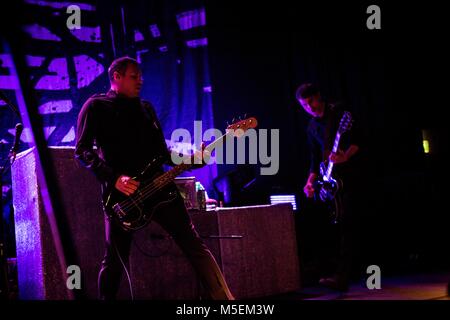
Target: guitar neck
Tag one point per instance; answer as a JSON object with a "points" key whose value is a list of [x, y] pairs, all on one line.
{"points": [[171, 174], [334, 150]]}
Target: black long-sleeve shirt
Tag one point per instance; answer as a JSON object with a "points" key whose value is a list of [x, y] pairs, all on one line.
{"points": [[321, 133], [126, 132]]}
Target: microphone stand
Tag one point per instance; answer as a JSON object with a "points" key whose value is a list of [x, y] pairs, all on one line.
{"points": [[4, 282]]}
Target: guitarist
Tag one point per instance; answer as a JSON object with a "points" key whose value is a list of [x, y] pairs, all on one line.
{"points": [[128, 135], [321, 133]]}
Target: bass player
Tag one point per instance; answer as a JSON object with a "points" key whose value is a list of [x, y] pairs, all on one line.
{"points": [[127, 134]]}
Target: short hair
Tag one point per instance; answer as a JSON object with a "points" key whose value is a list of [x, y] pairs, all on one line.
{"points": [[306, 90], [120, 65]]}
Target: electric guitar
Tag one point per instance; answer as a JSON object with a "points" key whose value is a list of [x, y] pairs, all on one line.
{"points": [[157, 189], [326, 187]]}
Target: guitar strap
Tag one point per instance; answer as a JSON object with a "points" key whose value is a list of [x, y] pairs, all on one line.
{"points": [[149, 113]]}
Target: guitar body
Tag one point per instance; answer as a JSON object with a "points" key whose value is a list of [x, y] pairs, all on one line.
{"points": [[136, 211], [329, 193], [326, 189]]}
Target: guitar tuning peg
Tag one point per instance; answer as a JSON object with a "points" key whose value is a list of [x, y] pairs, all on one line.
{"points": [[245, 116], [239, 118], [233, 120]]}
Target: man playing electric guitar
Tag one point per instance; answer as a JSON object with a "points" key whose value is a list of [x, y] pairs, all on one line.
{"points": [[335, 151], [128, 136]]}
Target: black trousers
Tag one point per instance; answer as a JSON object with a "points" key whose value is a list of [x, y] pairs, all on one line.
{"points": [[347, 235], [331, 249], [175, 220]]}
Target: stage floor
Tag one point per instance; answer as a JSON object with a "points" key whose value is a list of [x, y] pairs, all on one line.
{"points": [[408, 287]]}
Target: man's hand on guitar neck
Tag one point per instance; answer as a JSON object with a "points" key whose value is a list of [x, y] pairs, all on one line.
{"points": [[341, 156], [126, 185], [338, 157]]}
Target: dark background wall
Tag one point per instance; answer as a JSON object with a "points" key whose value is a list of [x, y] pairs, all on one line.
{"points": [[261, 53]]}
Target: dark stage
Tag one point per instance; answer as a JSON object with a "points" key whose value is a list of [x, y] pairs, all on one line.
{"points": [[420, 286]]}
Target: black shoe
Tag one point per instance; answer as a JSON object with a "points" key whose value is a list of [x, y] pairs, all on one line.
{"points": [[334, 283]]}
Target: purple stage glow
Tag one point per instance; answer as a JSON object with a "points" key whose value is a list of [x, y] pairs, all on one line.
{"points": [[41, 33], [34, 61], [26, 136], [88, 34], [155, 31], [138, 36], [197, 43], [87, 70], [191, 19], [8, 81], [60, 78], [59, 106], [163, 49], [61, 4]]}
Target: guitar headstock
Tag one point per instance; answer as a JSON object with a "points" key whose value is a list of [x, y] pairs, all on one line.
{"points": [[241, 126], [346, 122]]}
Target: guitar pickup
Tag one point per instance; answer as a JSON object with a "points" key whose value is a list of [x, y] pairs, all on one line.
{"points": [[118, 210]]}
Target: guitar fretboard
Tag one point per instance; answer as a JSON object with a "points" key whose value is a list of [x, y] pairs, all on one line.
{"points": [[330, 164], [171, 174]]}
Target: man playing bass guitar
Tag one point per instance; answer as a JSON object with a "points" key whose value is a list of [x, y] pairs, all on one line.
{"points": [[128, 136]]}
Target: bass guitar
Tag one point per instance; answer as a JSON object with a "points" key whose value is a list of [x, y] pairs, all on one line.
{"points": [[157, 189]]}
